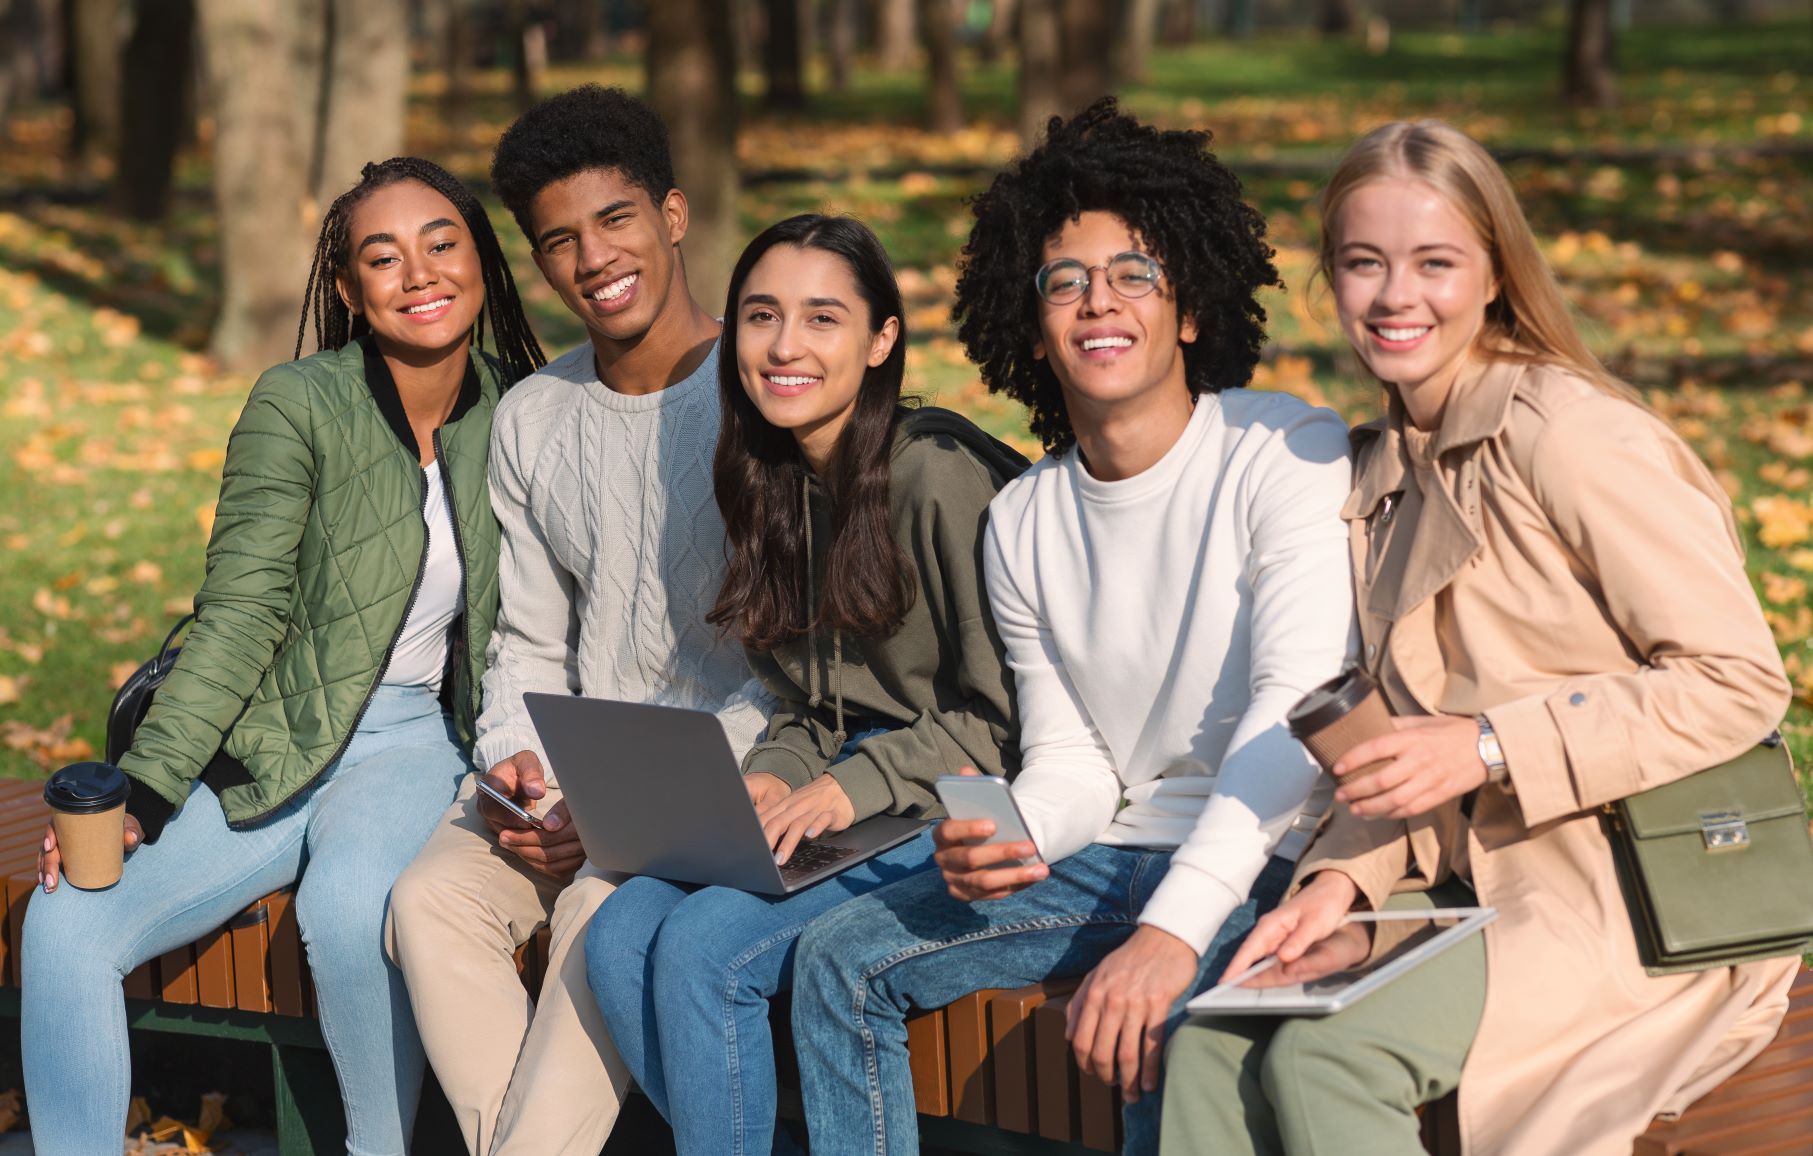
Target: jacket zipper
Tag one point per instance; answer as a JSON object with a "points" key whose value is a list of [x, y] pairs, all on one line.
{"points": [[459, 552], [421, 567]]}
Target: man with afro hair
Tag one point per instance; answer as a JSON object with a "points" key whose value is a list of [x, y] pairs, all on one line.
{"points": [[1168, 582], [612, 553]]}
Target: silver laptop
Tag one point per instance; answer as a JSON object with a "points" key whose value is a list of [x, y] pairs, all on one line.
{"points": [[655, 790]]}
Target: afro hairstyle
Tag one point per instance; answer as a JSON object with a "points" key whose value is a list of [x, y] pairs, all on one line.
{"points": [[1182, 204], [584, 128]]}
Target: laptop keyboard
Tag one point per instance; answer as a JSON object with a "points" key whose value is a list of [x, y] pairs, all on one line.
{"points": [[809, 857]]}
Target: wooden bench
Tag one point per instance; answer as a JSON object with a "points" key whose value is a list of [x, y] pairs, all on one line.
{"points": [[992, 1072]]}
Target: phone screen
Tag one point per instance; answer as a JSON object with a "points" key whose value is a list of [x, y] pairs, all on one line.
{"points": [[986, 797]]}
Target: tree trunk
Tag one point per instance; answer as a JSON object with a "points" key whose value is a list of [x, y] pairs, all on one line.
{"points": [[842, 43], [781, 56], [260, 179], [307, 39], [528, 53], [94, 59], [1000, 32], [365, 90], [944, 96], [11, 79], [155, 109], [692, 84], [1180, 21], [1336, 17], [1088, 35], [896, 34], [1588, 80], [1241, 19], [456, 60], [579, 31], [1133, 47], [1041, 61]]}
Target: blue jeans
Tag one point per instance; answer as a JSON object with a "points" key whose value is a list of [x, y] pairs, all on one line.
{"points": [[683, 978], [862, 967], [347, 838]]}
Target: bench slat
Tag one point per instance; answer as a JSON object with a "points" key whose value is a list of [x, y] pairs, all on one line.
{"points": [[288, 963], [972, 1069], [176, 969], [1053, 1073], [214, 969], [1010, 1032], [251, 930], [928, 1061]]}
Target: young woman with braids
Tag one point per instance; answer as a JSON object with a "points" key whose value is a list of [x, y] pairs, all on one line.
{"points": [[1167, 581], [325, 696], [854, 527]]}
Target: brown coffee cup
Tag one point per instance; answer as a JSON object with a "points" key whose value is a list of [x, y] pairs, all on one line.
{"points": [[1339, 715], [88, 811]]}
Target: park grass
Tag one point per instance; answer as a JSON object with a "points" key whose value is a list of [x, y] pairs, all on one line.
{"points": [[1679, 224]]}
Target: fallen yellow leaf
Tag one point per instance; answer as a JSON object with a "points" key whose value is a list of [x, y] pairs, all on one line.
{"points": [[1781, 589], [11, 687]]}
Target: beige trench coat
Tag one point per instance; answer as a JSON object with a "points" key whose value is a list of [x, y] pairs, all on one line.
{"points": [[1560, 561]]}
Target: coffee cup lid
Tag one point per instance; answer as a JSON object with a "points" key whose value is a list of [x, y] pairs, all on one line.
{"points": [[84, 788], [1329, 703]]}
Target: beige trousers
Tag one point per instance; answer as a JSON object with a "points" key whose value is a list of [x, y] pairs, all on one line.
{"points": [[525, 1078]]}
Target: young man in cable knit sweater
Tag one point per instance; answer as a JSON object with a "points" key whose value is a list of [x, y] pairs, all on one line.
{"points": [[613, 550], [1168, 581]]}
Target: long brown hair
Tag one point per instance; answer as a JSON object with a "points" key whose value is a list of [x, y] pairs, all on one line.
{"points": [[759, 475], [1530, 319]]}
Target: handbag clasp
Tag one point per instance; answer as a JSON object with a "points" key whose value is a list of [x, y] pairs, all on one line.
{"points": [[1724, 830]]}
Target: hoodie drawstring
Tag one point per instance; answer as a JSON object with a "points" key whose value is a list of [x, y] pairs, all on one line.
{"points": [[813, 698]]}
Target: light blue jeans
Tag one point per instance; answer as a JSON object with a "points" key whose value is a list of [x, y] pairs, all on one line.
{"points": [[861, 968], [347, 838]]}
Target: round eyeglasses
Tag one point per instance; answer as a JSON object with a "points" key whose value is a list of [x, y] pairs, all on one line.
{"points": [[1130, 275]]}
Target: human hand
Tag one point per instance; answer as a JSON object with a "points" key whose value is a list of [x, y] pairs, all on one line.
{"points": [[1346, 946], [806, 813], [50, 858], [1296, 925], [519, 778], [1428, 761], [974, 870], [765, 788], [1116, 1020], [553, 850]]}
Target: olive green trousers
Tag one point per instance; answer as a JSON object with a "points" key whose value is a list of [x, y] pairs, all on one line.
{"points": [[1342, 1085]]}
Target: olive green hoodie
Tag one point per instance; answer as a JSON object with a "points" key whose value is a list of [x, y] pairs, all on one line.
{"points": [[939, 685]]}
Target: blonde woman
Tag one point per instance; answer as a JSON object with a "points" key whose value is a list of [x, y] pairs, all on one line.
{"points": [[1551, 590]]}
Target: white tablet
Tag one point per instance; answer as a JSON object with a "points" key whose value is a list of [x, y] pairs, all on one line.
{"points": [[1344, 968]]}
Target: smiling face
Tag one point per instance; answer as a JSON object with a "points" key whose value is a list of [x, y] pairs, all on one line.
{"points": [[1411, 283], [804, 343], [414, 275], [608, 249], [1104, 348]]}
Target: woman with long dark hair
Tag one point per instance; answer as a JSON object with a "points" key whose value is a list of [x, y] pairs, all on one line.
{"points": [[325, 697], [854, 531]]}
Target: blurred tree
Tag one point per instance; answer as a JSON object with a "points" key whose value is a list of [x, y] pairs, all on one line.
{"points": [[692, 84], [94, 62], [12, 56], [1180, 21], [1087, 30], [579, 31], [944, 96], [1000, 31], [841, 16], [782, 55], [895, 33], [260, 178], [528, 51], [364, 91], [1588, 76], [1041, 67], [157, 106], [1335, 17], [1133, 43], [1241, 19]]}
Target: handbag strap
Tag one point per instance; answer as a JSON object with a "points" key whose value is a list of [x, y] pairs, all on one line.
{"points": [[163, 652]]}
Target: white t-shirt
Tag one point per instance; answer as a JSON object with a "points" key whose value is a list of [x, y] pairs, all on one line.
{"points": [[421, 651], [1160, 627]]}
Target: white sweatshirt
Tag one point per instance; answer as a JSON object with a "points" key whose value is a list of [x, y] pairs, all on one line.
{"points": [[613, 551], [1158, 629]]}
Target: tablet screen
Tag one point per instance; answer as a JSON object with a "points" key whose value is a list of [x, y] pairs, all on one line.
{"points": [[1366, 952]]}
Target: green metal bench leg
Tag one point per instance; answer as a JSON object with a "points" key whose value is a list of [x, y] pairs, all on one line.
{"points": [[309, 1116]]}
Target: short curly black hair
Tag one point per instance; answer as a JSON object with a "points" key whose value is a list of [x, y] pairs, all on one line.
{"points": [[589, 127], [1183, 205]]}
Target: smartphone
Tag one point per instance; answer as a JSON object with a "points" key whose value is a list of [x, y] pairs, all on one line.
{"points": [[987, 797], [507, 803]]}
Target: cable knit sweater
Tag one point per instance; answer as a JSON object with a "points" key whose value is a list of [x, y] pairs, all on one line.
{"points": [[613, 551]]}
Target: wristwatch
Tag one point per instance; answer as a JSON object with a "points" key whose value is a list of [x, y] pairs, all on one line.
{"points": [[1491, 754]]}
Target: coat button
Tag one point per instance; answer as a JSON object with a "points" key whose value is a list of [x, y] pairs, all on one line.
{"points": [[1577, 699], [1372, 649]]}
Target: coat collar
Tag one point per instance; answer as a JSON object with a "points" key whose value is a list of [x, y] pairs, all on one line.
{"points": [[383, 389], [1477, 410]]}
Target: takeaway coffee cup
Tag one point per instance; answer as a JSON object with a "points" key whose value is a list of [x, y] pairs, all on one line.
{"points": [[88, 809], [1338, 715]]}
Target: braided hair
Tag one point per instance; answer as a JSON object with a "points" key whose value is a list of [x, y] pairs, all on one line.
{"points": [[1182, 204], [335, 324]]}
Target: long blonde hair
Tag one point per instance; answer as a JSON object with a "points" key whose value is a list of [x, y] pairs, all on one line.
{"points": [[1530, 319]]}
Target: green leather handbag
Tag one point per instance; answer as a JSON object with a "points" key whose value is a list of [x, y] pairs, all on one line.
{"points": [[1717, 868]]}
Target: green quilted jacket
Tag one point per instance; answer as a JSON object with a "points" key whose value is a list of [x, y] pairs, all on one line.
{"points": [[313, 564]]}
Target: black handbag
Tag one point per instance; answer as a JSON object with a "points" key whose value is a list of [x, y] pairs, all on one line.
{"points": [[135, 694], [1717, 868]]}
